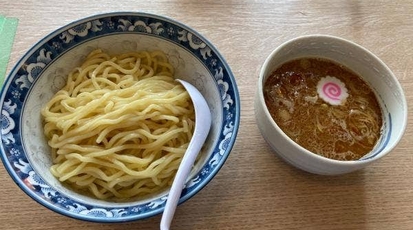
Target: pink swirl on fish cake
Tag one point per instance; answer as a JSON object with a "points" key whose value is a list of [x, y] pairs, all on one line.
{"points": [[332, 90]]}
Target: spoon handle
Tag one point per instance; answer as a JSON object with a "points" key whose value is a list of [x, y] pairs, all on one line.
{"points": [[202, 126]]}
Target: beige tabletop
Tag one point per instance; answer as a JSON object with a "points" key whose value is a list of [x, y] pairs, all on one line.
{"points": [[254, 189]]}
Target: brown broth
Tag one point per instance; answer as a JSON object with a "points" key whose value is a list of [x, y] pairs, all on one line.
{"points": [[343, 132]]}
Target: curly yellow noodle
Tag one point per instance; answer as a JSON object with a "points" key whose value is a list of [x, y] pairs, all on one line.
{"points": [[119, 127]]}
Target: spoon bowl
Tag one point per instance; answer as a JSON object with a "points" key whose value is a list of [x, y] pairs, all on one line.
{"points": [[202, 127]]}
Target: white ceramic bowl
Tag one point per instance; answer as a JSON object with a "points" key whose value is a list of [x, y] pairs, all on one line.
{"points": [[41, 72], [361, 61]]}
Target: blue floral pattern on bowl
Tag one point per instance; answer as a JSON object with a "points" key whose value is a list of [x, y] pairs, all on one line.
{"points": [[23, 77]]}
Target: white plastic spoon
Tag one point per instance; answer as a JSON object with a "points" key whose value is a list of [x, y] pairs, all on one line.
{"points": [[202, 126]]}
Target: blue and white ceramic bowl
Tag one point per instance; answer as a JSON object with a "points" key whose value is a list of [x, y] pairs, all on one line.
{"points": [[41, 72]]}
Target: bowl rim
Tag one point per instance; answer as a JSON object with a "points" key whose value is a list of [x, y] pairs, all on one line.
{"points": [[229, 145], [303, 150]]}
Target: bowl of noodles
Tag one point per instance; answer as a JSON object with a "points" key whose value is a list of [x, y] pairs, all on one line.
{"points": [[329, 106], [94, 124]]}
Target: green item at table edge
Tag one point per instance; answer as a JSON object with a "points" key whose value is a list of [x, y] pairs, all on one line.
{"points": [[8, 28]]}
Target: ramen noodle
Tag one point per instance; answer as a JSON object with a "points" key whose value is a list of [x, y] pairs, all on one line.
{"points": [[120, 126], [324, 107]]}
